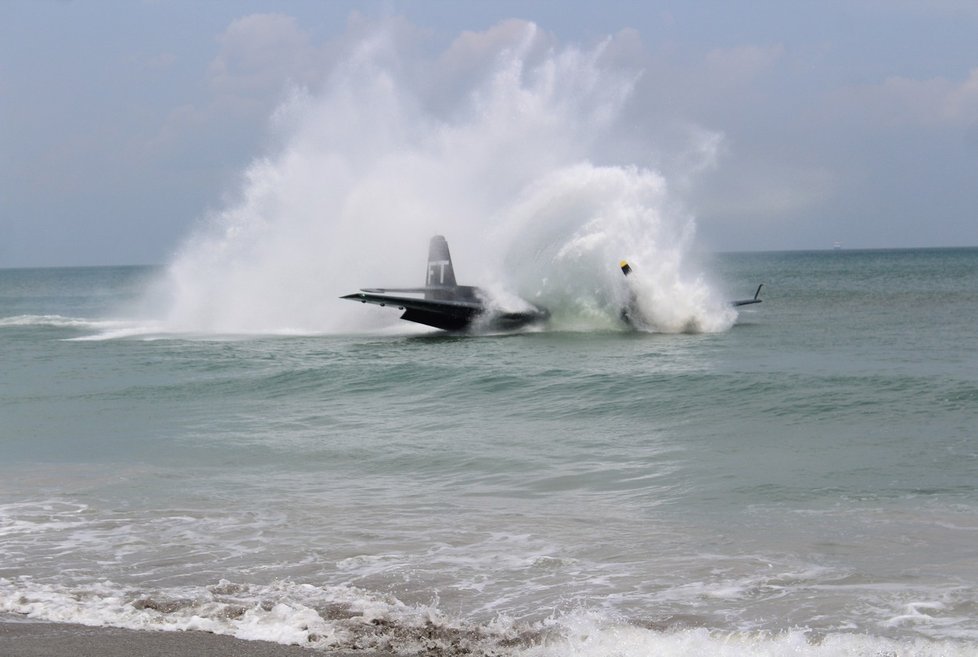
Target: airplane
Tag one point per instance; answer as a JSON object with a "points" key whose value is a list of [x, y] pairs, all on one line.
{"points": [[452, 307], [447, 305]]}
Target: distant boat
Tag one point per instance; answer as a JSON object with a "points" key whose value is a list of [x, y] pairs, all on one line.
{"points": [[837, 246]]}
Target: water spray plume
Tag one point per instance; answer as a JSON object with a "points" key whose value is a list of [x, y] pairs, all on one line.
{"points": [[494, 151]]}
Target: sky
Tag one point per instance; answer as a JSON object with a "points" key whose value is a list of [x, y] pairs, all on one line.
{"points": [[778, 125]]}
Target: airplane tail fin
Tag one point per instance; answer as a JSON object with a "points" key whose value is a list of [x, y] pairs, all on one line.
{"points": [[440, 277]]}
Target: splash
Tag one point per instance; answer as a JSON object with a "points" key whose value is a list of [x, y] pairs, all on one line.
{"points": [[492, 143]]}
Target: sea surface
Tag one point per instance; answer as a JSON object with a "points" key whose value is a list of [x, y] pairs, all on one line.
{"points": [[805, 483]]}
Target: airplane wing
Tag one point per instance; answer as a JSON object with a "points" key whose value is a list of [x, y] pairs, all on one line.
{"points": [[747, 302], [464, 293], [444, 314]]}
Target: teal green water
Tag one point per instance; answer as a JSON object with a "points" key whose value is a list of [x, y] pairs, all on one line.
{"points": [[812, 470]]}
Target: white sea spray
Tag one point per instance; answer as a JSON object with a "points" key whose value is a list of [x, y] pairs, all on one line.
{"points": [[505, 146]]}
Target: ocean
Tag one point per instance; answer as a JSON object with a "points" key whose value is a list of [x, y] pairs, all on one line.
{"points": [[802, 483]]}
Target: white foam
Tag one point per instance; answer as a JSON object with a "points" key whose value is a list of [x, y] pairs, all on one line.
{"points": [[84, 566], [348, 618], [57, 321], [588, 636], [26, 519], [121, 330], [104, 329]]}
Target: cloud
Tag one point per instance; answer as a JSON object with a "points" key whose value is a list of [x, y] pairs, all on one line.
{"points": [[927, 7], [961, 103], [260, 58], [768, 191], [902, 101], [742, 64], [161, 61], [258, 53]]}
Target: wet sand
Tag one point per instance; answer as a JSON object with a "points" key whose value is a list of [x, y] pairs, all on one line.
{"points": [[19, 639]]}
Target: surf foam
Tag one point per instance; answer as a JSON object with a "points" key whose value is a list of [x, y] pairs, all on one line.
{"points": [[346, 618]]}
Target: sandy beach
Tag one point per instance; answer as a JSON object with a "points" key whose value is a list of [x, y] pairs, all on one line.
{"points": [[21, 639]]}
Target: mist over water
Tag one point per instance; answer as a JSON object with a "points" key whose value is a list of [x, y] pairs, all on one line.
{"points": [[501, 143]]}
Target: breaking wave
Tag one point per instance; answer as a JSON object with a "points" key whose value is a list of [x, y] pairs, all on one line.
{"points": [[505, 143], [57, 321], [104, 329], [346, 618]]}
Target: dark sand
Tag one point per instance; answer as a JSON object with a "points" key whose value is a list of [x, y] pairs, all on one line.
{"points": [[19, 639]]}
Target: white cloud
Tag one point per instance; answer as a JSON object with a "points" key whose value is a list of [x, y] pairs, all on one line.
{"points": [[901, 101], [961, 103], [760, 192], [260, 53], [927, 7], [163, 60], [261, 59], [742, 64]]}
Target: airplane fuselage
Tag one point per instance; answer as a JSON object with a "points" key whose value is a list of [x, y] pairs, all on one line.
{"points": [[445, 304]]}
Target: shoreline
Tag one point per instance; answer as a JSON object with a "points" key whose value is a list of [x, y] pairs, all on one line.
{"points": [[30, 638]]}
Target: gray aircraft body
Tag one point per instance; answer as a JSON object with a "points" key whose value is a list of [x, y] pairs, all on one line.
{"points": [[447, 305]]}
